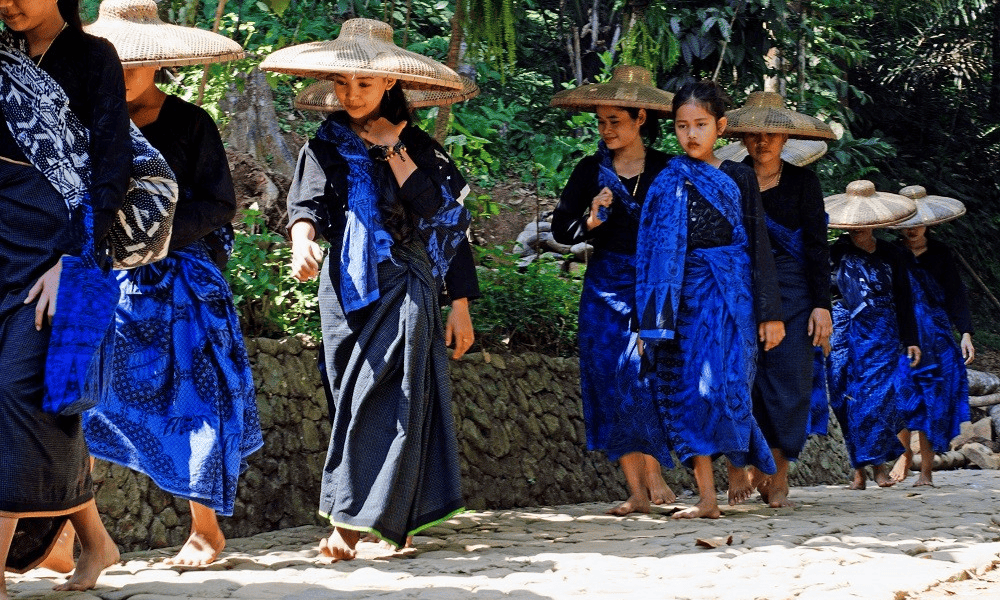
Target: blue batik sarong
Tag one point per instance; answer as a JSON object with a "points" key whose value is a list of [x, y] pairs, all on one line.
{"points": [[696, 317], [867, 368], [617, 403], [941, 400], [181, 405]]}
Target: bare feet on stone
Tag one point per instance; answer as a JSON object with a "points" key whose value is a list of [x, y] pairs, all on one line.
{"points": [[198, 550], [631, 505], [924, 480], [60, 559], [91, 564], [860, 480], [881, 477], [902, 467], [777, 496], [740, 487], [660, 493], [761, 482], [705, 509], [340, 545]]}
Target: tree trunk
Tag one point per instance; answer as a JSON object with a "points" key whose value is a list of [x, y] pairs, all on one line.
{"points": [[454, 50], [995, 81], [253, 125]]}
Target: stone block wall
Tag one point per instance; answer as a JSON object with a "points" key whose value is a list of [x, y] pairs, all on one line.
{"points": [[520, 433]]}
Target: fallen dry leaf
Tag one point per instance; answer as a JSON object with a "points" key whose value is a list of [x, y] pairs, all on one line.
{"points": [[714, 542]]}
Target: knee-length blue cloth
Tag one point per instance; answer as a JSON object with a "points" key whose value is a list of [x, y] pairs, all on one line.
{"points": [[696, 315], [940, 402], [868, 370], [181, 405]]}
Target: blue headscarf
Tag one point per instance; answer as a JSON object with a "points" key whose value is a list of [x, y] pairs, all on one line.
{"points": [[662, 241], [366, 242]]}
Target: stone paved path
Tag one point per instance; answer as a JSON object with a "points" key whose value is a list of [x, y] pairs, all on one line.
{"points": [[835, 544]]}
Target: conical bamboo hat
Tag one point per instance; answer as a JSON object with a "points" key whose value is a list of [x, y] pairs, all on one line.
{"points": [[765, 112], [931, 210], [143, 40], [861, 207], [796, 152], [364, 47], [630, 87], [322, 97]]}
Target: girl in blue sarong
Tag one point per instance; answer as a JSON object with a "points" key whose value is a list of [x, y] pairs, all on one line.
{"points": [[180, 406], [704, 277], [941, 403], [872, 322], [616, 402]]}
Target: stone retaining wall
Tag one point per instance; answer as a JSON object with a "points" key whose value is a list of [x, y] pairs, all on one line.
{"points": [[520, 433]]}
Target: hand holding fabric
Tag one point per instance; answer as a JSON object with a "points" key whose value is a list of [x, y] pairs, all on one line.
{"points": [[459, 327], [46, 291], [771, 333], [913, 353], [603, 198], [382, 132]]}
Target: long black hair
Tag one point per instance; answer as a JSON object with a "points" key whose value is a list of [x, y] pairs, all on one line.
{"points": [[70, 12], [396, 219], [394, 107], [650, 129], [707, 94]]}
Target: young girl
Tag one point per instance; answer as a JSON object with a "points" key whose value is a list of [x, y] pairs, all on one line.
{"points": [[704, 276]]}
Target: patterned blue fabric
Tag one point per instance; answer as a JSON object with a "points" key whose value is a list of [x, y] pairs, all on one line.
{"points": [[56, 143], [617, 403], [819, 410], [662, 242], [366, 242], [607, 177], [940, 402], [180, 406], [698, 311], [867, 369]]}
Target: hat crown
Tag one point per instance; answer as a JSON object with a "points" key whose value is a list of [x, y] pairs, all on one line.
{"points": [[765, 100], [861, 188], [138, 11], [632, 74], [914, 192], [366, 29]]}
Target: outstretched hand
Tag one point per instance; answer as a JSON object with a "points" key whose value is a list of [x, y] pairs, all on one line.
{"points": [[45, 291], [771, 333], [306, 253]]}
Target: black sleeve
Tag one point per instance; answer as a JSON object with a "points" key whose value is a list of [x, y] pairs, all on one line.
{"points": [[902, 296], [766, 293], [461, 280], [569, 220], [307, 195], [110, 140], [955, 297], [817, 250], [210, 200]]}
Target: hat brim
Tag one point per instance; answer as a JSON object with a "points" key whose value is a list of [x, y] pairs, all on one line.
{"points": [[321, 97], [933, 210], [163, 44], [621, 95], [880, 210], [757, 119], [796, 152]]}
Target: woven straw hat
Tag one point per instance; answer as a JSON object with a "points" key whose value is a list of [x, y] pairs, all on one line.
{"points": [[864, 208], [765, 112], [143, 40], [364, 47], [322, 97], [630, 87], [796, 152], [931, 210]]}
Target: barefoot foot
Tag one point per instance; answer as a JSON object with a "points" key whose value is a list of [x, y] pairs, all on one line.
{"points": [[60, 559], [740, 487], [660, 492], [631, 505], [340, 545], [778, 497], [703, 510], [902, 467], [199, 550], [924, 480], [860, 480], [881, 477], [91, 564]]}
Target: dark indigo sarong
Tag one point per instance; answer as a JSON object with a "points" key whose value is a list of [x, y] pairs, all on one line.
{"points": [[181, 405], [617, 404], [941, 401], [392, 464], [867, 368]]}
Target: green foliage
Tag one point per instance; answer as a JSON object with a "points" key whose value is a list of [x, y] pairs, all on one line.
{"points": [[270, 302], [490, 27], [533, 308]]}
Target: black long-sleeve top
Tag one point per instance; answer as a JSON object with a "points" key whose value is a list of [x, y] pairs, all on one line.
{"points": [[319, 194], [88, 70], [797, 203], [619, 232], [940, 263], [190, 142], [902, 293]]}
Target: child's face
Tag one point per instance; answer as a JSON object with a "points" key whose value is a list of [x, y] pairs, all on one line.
{"points": [[697, 130]]}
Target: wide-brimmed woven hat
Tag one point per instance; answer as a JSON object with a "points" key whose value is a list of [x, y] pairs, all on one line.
{"points": [[931, 210], [630, 87], [765, 112], [861, 207], [797, 152], [321, 96], [364, 47], [143, 40]]}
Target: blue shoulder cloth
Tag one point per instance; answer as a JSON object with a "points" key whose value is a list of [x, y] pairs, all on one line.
{"points": [[607, 177]]}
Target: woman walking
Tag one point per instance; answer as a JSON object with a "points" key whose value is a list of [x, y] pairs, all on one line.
{"points": [[601, 205]]}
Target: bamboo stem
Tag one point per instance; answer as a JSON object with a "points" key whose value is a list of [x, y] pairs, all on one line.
{"points": [[975, 276], [215, 29]]}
